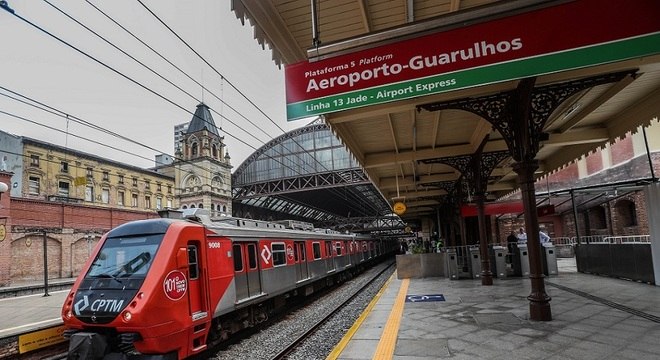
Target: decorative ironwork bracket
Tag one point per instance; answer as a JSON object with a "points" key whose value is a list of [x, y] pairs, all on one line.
{"points": [[501, 110]]}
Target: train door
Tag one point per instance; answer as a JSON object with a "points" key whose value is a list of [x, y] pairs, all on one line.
{"points": [[329, 261], [302, 271], [363, 253], [338, 255], [253, 273], [246, 270], [196, 294]]}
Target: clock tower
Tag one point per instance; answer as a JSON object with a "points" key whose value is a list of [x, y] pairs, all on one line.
{"points": [[202, 169]]}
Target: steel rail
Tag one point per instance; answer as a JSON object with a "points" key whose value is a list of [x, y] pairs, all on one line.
{"points": [[282, 354]]}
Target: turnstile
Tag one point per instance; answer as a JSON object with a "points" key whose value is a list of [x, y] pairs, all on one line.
{"points": [[452, 264], [475, 262], [498, 258], [549, 259], [520, 260]]}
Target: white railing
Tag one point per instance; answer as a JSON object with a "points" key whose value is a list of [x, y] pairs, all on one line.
{"points": [[601, 239], [593, 239], [563, 240], [630, 239], [606, 239]]}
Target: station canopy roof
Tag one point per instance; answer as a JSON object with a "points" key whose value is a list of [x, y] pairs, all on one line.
{"points": [[398, 142], [307, 174]]}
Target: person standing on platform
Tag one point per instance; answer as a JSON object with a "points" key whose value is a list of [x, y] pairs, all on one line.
{"points": [[543, 237], [510, 241], [522, 236], [404, 247]]}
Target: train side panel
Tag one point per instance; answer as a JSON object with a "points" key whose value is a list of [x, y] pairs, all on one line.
{"points": [[278, 262]]}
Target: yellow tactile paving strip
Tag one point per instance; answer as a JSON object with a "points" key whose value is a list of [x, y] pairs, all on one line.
{"points": [[349, 334], [387, 343]]}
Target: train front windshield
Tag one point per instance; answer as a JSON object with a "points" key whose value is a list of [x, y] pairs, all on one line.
{"points": [[125, 257]]}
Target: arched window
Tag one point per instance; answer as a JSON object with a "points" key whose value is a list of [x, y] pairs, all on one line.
{"points": [[216, 181], [597, 218], [184, 207], [194, 149], [224, 208], [214, 149], [192, 206], [201, 206], [626, 212], [193, 182]]}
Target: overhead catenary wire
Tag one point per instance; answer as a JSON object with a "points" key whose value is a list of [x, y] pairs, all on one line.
{"points": [[359, 201], [118, 72], [134, 59], [134, 81], [49, 109], [144, 65], [229, 82], [128, 78], [204, 88]]}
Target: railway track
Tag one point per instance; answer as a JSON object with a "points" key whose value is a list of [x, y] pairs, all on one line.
{"points": [[297, 335], [373, 277]]}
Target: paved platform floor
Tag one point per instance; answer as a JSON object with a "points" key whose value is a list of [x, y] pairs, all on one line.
{"points": [[31, 312], [593, 318]]}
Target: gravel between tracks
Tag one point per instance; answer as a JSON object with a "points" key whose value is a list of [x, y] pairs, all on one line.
{"points": [[265, 344]]}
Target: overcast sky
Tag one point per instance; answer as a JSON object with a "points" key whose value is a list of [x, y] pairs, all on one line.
{"points": [[42, 68]]}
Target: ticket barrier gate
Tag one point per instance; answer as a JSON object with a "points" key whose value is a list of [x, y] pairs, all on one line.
{"points": [[452, 264], [475, 262], [549, 259], [520, 262], [498, 261]]}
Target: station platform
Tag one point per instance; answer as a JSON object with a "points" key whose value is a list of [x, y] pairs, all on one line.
{"points": [[22, 314], [594, 317]]}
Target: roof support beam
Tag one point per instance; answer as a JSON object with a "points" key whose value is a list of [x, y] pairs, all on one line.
{"points": [[390, 183], [386, 159], [596, 103], [578, 136], [366, 19], [416, 194]]}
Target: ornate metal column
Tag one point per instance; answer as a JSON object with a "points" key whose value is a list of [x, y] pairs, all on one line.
{"points": [[476, 168], [520, 116]]}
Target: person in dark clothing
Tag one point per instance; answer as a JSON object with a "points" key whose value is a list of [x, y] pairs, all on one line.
{"points": [[510, 241], [512, 238]]}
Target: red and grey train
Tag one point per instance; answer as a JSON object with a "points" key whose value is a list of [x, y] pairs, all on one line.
{"points": [[166, 288]]}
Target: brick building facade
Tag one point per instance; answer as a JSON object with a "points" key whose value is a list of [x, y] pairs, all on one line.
{"points": [[608, 189], [70, 231]]}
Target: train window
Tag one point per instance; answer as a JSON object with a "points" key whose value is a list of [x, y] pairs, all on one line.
{"points": [[252, 256], [295, 253], [238, 258], [317, 250], [338, 248], [279, 254], [328, 248], [123, 257], [193, 267]]}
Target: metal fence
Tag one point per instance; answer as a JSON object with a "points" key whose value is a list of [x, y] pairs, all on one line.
{"points": [[602, 239]]}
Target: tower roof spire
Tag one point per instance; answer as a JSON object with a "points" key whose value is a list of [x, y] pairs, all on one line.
{"points": [[201, 120]]}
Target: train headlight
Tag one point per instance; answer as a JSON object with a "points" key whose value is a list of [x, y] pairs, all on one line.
{"points": [[127, 316]]}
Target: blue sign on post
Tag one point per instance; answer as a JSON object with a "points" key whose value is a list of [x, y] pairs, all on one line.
{"points": [[425, 298]]}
